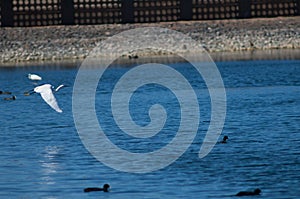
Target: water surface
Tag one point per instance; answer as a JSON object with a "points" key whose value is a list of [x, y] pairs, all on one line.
{"points": [[43, 157]]}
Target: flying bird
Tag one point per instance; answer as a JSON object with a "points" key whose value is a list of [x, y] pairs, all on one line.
{"points": [[46, 93], [34, 77]]}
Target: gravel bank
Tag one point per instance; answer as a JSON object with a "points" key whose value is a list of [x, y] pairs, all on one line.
{"points": [[75, 42]]}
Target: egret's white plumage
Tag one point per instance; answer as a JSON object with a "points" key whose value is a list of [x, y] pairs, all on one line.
{"points": [[34, 77], [47, 95]]}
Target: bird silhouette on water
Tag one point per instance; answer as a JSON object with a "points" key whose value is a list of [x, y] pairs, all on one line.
{"points": [[10, 98], [104, 189], [5, 93], [224, 141], [249, 193]]}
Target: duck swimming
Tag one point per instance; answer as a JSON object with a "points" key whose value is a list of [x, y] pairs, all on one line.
{"points": [[5, 93], [249, 193], [104, 189], [10, 98], [224, 141]]}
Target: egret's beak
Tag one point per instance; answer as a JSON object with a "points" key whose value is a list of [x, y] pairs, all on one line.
{"points": [[27, 93]]}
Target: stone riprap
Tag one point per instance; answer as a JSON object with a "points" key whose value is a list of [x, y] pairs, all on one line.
{"points": [[75, 42]]}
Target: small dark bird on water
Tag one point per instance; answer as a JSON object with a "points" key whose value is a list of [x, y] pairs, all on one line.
{"points": [[104, 189], [249, 193], [5, 93], [224, 141], [10, 98]]}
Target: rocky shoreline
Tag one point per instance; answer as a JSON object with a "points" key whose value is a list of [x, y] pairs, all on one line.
{"points": [[55, 43]]}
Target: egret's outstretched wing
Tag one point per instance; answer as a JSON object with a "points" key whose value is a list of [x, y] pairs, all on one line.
{"points": [[50, 100], [47, 95]]}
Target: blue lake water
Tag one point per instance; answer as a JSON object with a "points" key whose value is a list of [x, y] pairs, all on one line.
{"points": [[42, 155]]}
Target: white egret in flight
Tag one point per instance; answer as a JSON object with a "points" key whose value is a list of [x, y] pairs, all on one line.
{"points": [[46, 92]]}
